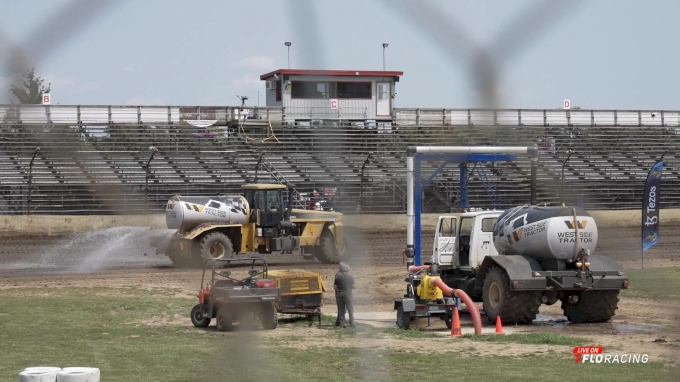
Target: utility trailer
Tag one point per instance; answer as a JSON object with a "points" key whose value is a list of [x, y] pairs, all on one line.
{"points": [[301, 292], [423, 300]]}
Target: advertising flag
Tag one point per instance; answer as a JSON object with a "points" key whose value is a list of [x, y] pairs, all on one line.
{"points": [[650, 207]]}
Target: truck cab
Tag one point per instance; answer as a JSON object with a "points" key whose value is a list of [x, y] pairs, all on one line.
{"points": [[463, 241]]}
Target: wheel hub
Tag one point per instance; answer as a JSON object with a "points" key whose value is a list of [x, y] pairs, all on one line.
{"points": [[217, 251], [494, 295]]}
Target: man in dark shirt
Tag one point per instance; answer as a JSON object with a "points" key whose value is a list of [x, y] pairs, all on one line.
{"points": [[343, 285], [337, 303]]}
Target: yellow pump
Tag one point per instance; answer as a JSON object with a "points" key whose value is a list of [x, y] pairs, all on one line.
{"points": [[428, 291]]}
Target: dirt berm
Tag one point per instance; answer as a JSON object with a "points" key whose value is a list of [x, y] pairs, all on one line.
{"points": [[13, 225]]}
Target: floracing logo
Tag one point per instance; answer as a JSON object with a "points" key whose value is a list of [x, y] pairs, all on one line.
{"points": [[594, 354]]}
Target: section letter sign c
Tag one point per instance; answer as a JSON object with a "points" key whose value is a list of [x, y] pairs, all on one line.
{"points": [[334, 104]]}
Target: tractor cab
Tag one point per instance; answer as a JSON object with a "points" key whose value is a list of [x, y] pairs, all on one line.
{"points": [[266, 203]]}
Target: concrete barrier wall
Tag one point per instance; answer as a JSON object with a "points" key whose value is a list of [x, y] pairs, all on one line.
{"points": [[604, 219], [60, 225]]}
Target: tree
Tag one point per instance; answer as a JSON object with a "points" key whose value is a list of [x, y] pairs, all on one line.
{"points": [[31, 89]]}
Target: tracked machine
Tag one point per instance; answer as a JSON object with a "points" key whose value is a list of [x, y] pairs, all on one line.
{"points": [[222, 226]]}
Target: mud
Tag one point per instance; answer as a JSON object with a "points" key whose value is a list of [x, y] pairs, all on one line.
{"points": [[121, 258]]}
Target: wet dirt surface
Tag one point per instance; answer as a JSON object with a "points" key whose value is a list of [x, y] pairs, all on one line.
{"points": [[121, 258], [128, 247]]}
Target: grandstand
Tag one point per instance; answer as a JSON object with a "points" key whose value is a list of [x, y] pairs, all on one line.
{"points": [[101, 167]]}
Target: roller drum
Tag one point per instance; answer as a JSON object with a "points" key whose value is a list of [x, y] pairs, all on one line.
{"points": [[545, 233], [185, 213]]}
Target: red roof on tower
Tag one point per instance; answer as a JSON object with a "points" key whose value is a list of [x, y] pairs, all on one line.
{"points": [[348, 73]]}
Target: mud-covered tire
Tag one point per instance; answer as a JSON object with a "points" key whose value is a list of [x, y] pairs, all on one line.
{"points": [[448, 318], [327, 252], [216, 245], [224, 320], [403, 318], [197, 317], [592, 306], [514, 307], [269, 316]]}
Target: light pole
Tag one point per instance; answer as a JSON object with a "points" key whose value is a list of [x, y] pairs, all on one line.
{"points": [[384, 46], [287, 43]]}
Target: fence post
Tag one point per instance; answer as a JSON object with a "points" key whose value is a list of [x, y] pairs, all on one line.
{"points": [[30, 179], [417, 117], [639, 118], [519, 117], [545, 118], [616, 118], [146, 184]]}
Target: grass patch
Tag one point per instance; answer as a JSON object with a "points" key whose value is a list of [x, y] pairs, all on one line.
{"points": [[531, 338], [351, 364], [654, 283], [104, 328]]}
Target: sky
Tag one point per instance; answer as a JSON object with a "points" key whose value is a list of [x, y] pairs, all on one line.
{"points": [[614, 54]]}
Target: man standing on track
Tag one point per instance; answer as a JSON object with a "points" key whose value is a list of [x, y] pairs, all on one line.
{"points": [[338, 322], [343, 285]]}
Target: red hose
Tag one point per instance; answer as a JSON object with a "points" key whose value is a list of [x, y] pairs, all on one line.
{"points": [[418, 268], [474, 312]]}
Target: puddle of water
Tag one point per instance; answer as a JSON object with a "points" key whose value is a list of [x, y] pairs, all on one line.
{"points": [[562, 323], [633, 328]]}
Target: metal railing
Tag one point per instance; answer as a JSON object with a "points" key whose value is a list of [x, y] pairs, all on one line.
{"points": [[607, 170], [321, 113], [96, 115], [173, 115]]}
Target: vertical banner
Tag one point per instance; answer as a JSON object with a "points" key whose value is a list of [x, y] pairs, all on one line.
{"points": [[650, 207]]}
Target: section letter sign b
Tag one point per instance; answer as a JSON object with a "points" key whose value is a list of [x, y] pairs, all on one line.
{"points": [[334, 104], [46, 99], [567, 104]]}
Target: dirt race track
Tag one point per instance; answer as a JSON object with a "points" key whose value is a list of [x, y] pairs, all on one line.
{"points": [[119, 257]]}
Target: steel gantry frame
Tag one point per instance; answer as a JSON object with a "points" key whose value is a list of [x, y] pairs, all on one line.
{"points": [[415, 155]]}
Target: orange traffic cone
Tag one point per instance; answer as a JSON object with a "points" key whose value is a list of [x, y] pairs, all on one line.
{"points": [[455, 323], [499, 326]]}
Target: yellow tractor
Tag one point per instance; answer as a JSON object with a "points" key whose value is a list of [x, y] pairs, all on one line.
{"points": [[222, 226]]}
